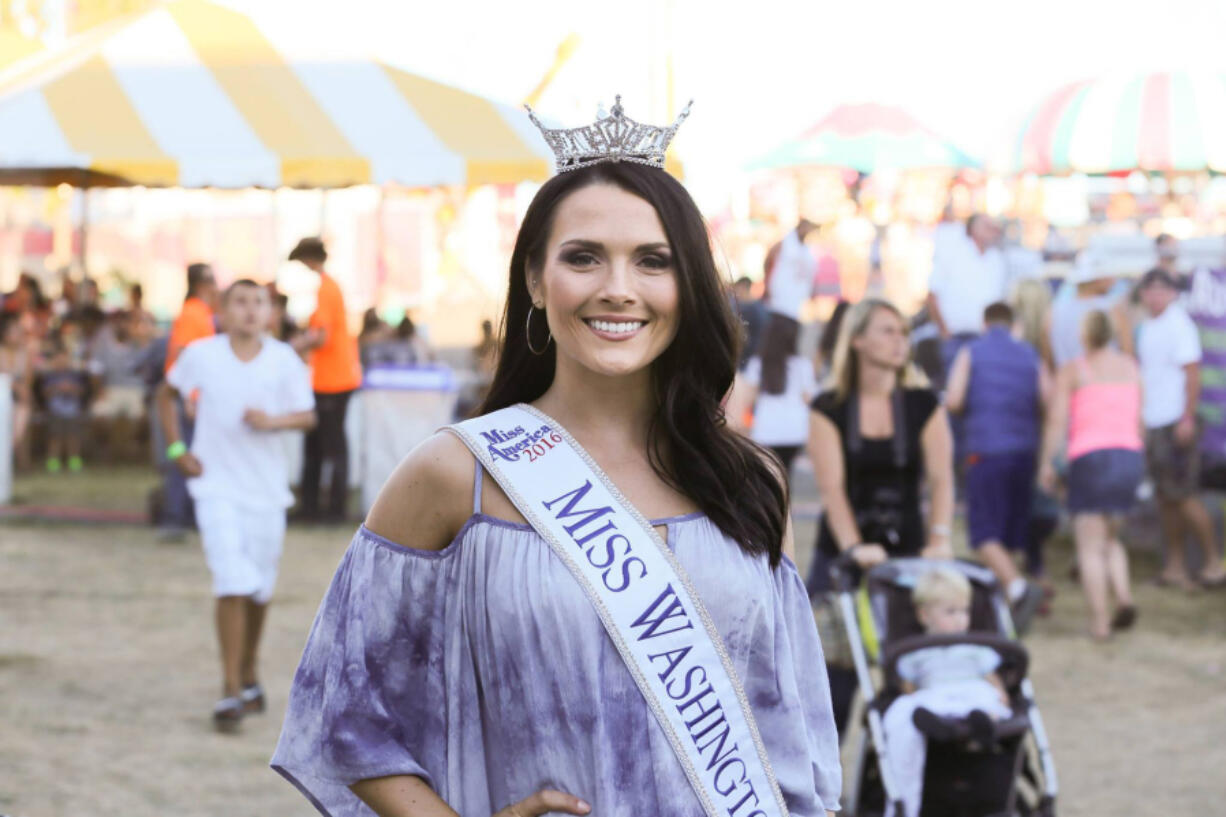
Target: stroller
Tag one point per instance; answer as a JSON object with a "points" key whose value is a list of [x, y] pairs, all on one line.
{"points": [[1016, 776]]}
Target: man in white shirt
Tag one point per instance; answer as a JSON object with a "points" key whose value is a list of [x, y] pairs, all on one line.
{"points": [[791, 272], [967, 275], [1168, 347], [250, 387]]}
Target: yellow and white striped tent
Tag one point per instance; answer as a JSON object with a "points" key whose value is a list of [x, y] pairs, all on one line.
{"points": [[195, 94]]}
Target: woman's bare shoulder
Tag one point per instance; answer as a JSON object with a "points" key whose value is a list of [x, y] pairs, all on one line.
{"points": [[427, 499]]}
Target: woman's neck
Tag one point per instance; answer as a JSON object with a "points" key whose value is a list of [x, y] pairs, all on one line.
{"points": [[599, 408], [876, 381]]}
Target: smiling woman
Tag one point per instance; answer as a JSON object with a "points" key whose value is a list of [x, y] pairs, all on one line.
{"points": [[538, 647]]}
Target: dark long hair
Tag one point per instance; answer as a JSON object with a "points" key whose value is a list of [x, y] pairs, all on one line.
{"points": [[689, 445], [778, 344]]}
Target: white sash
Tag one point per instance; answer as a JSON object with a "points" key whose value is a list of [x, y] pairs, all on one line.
{"points": [[644, 599]]}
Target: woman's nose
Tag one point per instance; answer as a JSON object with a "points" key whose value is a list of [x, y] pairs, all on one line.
{"points": [[617, 286]]}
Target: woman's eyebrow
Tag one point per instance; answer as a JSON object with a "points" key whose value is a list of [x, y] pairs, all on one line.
{"points": [[587, 244], [582, 243]]}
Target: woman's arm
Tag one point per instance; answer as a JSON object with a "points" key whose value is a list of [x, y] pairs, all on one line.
{"points": [[937, 442], [959, 381], [826, 451], [1054, 428], [428, 498], [408, 796]]}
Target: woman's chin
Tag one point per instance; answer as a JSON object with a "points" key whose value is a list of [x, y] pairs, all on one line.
{"points": [[615, 365]]}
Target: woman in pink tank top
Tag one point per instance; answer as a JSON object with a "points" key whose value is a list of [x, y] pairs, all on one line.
{"points": [[1098, 403]]}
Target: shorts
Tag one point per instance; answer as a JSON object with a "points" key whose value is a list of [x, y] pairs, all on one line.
{"points": [[1105, 481], [66, 427], [1000, 498], [1174, 469], [242, 547]]}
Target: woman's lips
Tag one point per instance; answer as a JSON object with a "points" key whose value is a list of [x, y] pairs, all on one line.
{"points": [[615, 330]]}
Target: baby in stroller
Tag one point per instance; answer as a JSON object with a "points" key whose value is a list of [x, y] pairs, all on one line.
{"points": [[952, 691]]}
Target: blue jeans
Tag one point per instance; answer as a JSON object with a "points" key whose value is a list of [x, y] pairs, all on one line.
{"points": [[176, 501]]}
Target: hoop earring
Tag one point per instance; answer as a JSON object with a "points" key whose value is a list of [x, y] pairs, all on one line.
{"points": [[528, 333]]}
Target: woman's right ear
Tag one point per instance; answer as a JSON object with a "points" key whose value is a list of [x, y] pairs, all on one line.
{"points": [[533, 282]]}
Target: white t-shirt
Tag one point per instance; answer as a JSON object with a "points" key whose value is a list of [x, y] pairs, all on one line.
{"points": [[782, 419], [1165, 345], [240, 464], [792, 277], [965, 282]]}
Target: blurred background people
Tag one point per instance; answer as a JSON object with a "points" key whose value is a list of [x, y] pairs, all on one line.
{"points": [[967, 274], [998, 385], [1096, 411], [777, 387], [64, 392], [336, 372], [195, 322], [791, 272], [1169, 351], [877, 434]]}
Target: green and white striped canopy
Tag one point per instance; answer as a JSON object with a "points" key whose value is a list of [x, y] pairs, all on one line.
{"points": [[1160, 123]]}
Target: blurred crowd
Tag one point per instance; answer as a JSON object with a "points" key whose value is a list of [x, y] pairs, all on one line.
{"points": [[83, 376], [1025, 394]]}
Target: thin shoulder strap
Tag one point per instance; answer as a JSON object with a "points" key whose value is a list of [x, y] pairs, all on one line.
{"points": [[899, 406], [478, 473]]}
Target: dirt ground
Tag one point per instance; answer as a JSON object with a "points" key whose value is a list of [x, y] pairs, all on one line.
{"points": [[108, 672]]}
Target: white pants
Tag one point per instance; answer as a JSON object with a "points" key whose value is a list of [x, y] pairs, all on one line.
{"points": [[242, 547], [908, 747]]}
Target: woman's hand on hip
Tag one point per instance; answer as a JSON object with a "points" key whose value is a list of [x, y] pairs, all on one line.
{"points": [[938, 549], [543, 802]]}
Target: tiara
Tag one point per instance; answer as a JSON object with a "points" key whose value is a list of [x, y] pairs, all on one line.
{"points": [[613, 137]]}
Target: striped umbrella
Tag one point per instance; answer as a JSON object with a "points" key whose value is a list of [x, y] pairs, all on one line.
{"points": [[1158, 123], [195, 94], [867, 138]]}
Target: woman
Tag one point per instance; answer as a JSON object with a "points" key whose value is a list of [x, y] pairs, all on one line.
{"points": [[455, 664], [875, 435], [1098, 399], [779, 385], [1031, 303]]}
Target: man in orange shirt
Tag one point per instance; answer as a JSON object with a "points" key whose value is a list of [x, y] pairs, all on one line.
{"points": [[335, 374], [195, 322]]}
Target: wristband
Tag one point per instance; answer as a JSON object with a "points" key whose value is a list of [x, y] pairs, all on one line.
{"points": [[940, 530], [175, 450]]}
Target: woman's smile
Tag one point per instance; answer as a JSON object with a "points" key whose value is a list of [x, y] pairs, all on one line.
{"points": [[614, 328]]}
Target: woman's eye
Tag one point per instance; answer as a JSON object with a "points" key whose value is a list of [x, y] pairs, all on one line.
{"points": [[656, 262], [580, 259]]}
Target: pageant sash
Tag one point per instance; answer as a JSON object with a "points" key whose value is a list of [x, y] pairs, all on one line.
{"points": [[643, 598]]}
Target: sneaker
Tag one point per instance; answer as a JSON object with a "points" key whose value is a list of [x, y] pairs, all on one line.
{"points": [[252, 697], [75, 464], [228, 715], [1024, 608], [54, 466]]}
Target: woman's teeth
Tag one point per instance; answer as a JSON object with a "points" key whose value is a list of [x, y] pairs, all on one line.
{"points": [[616, 327]]}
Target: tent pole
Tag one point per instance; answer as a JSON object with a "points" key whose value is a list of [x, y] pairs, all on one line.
{"points": [[381, 246], [81, 262]]}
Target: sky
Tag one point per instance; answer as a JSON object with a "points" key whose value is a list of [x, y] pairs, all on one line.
{"points": [[761, 71]]}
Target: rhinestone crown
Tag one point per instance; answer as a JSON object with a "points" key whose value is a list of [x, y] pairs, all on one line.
{"points": [[613, 137]]}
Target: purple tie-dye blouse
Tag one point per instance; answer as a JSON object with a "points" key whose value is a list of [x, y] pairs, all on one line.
{"points": [[483, 669]]}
